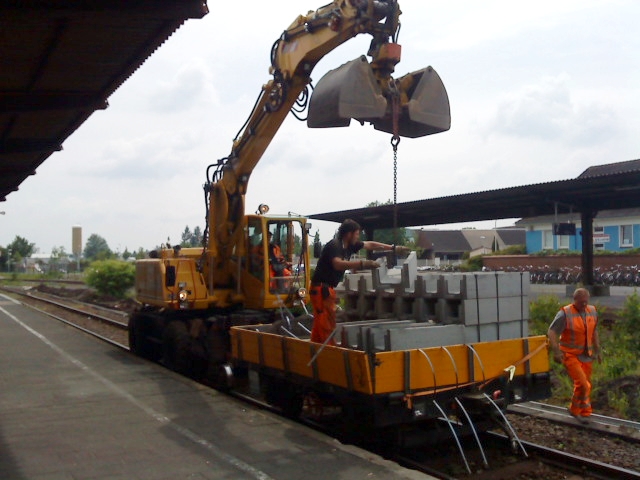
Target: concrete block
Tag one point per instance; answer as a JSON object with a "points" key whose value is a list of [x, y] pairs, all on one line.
{"points": [[430, 284], [513, 284], [366, 306], [385, 305], [483, 284], [495, 284], [365, 282], [424, 337], [449, 311], [450, 285], [480, 285], [410, 272], [488, 310], [408, 306], [348, 332], [423, 309], [351, 303], [491, 332], [372, 337], [351, 282], [382, 278]]}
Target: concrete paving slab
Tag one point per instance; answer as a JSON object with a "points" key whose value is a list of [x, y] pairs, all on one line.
{"points": [[72, 407]]}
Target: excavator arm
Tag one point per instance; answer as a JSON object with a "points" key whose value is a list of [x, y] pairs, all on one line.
{"points": [[361, 90]]}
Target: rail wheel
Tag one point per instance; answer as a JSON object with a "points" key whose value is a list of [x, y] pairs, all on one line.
{"points": [[175, 343], [140, 327]]}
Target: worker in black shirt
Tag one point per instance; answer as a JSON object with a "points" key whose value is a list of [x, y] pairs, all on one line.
{"points": [[333, 262]]}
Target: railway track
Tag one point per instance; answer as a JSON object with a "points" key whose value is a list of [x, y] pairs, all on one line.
{"points": [[101, 326], [627, 429], [528, 463], [534, 455]]}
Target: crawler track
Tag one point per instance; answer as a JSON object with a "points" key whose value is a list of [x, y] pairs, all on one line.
{"points": [[94, 324]]}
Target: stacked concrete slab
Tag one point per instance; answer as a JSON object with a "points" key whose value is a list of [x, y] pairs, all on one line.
{"points": [[434, 308]]}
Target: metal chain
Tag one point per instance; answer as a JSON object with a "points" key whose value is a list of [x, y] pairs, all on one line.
{"points": [[395, 141]]}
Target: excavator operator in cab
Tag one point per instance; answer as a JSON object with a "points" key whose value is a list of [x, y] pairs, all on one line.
{"points": [[278, 266], [333, 261]]}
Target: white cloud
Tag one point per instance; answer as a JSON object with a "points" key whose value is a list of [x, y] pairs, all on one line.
{"points": [[192, 85], [546, 110]]}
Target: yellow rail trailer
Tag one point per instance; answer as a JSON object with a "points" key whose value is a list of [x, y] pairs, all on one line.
{"points": [[394, 387]]}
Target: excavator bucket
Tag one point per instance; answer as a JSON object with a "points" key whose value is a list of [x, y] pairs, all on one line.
{"points": [[349, 91], [425, 106], [352, 91]]}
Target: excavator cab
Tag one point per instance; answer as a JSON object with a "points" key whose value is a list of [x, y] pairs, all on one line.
{"points": [[276, 269]]}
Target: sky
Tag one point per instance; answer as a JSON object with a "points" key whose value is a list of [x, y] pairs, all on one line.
{"points": [[539, 91]]}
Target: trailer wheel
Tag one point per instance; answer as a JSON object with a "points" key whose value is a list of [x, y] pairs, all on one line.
{"points": [[283, 395]]}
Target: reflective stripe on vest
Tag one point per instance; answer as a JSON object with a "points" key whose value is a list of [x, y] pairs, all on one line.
{"points": [[574, 337]]}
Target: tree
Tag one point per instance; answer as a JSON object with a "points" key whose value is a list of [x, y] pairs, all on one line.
{"points": [[317, 245], [387, 235], [4, 255], [186, 237], [196, 240], [191, 238], [126, 254], [57, 254], [97, 248], [21, 248], [111, 277], [141, 253]]}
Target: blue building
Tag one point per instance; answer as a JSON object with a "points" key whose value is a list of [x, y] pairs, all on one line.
{"points": [[613, 230]]}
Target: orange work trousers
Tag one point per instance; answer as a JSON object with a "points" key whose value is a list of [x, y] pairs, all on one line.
{"points": [[324, 313], [580, 373]]}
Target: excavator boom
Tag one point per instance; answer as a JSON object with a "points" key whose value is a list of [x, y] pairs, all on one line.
{"points": [[415, 105]]}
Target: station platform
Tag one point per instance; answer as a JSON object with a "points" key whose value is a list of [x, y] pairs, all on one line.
{"points": [[73, 407]]}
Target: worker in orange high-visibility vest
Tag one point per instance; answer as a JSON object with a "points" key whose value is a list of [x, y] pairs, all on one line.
{"points": [[574, 341]]}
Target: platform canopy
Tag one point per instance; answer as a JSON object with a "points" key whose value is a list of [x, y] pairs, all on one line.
{"points": [[61, 60], [603, 187]]}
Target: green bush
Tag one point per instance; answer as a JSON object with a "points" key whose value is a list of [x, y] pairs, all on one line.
{"points": [[512, 250], [542, 312], [111, 277], [630, 320], [474, 264]]}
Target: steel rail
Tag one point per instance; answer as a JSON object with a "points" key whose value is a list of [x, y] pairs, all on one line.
{"points": [[575, 463], [79, 311], [562, 411], [626, 429], [78, 327]]}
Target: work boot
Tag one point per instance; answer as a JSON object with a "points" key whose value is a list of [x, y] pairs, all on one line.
{"points": [[579, 418]]}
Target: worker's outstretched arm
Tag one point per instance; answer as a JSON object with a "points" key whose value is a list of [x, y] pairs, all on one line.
{"points": [[400, 250], [342, 265]]}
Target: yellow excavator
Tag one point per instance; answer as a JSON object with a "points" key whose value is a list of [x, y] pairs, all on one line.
{"points": [[252, 267]]}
